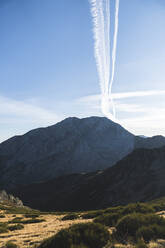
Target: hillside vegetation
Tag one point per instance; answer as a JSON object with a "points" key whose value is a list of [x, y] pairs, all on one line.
{"points": [[136, 225]]}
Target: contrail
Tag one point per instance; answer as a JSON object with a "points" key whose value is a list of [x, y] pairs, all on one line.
{"points": [[114, 52], [100, 10]]}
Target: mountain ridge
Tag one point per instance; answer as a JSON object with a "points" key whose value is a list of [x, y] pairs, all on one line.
{"points": [[71, 146], [137, 177]]}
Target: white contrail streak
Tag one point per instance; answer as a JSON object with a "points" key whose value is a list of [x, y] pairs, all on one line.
{"points": [[100, 10], [114, 52]]}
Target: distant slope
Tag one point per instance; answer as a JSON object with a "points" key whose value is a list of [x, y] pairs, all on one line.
{"points": [[150, 142], [137, 177], [71, 146]]}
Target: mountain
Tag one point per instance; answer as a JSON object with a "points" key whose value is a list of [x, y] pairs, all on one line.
{"points": [[150, 142], [137, 177], [71, 146]]}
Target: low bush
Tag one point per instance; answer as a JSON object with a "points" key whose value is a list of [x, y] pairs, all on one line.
{"points": [[2, 216], [16, 227], [29, 221], [151, 232], [110, 216], [89, 235], [31, 215], [21, 210], [10, 244], [114, 210], [129, 224], [3, 227], [141, 244], [70, 217], [142, 208], [108, 219], [92, 214], [16, 220]]}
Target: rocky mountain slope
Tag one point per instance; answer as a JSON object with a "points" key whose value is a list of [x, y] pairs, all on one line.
{"points": [[137, 177], [10, 199], [71, 146]]}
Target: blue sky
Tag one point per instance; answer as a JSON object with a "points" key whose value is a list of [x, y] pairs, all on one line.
{"points": [[48, 71]]}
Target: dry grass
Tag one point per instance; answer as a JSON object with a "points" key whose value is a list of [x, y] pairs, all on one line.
{"points": [[158, 244], [33, 234]]}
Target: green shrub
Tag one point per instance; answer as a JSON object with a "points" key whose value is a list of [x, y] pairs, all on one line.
{"points": [[137, 208], [79, 246], [151, 232], [110, 216], [29, 221], [129, 224], [70, 217], [108, 219], [141, 244], [92, 214], [114, 209], [9, 244], [89, 235], [16, 220], [3, 227], [31, 215], [16, 227], [2, 216]]}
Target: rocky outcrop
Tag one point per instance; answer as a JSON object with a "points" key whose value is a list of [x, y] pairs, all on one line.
{"points": [[10, 199]]}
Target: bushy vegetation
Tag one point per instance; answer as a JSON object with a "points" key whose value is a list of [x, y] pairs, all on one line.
{"points": [[3, 227], [71, 216], [2, 216], [16, 227], [153, 231], [141, 244], [31, 215], [92, 214], [28, 221], [16, 220], [108, 219], [134, 225], [19, 210], [90, 235], [10, 244], [31, 221]]}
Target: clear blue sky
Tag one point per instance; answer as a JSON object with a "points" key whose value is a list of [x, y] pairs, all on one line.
{"points": [[47, 66]]}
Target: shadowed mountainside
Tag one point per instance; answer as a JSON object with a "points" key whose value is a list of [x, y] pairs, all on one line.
{"points": [[137, 177], [71, 146]]}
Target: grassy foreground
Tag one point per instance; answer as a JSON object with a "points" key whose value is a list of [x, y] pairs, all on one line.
{"points": [[138, 225]]}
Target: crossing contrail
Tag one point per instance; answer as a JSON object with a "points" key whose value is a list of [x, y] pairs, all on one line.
{"points": [[100, 10], [114, 51]]}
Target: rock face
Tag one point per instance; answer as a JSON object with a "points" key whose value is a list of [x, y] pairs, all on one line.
{"points": [[137, 177], [71, 146], [10, 199]]}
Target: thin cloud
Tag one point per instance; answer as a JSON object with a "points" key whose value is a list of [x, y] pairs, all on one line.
{"points": [[20, 111], [123, 95]]}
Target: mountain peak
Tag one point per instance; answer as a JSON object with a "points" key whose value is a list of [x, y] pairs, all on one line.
{"points": [[73, 145]]}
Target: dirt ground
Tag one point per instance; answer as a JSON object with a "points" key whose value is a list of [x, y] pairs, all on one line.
{"points": [[34, 234]]}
